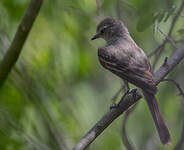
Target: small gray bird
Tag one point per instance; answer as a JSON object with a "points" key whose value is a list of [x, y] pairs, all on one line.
{"points": [[123, 57]]}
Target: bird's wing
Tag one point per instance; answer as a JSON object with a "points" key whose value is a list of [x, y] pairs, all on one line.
{"points": [[130, 69]]}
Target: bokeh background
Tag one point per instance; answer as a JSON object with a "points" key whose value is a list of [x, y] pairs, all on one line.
{"points": [[57, 90]]}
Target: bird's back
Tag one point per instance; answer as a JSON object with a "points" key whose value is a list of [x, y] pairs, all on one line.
{"points": [[129, 62]]}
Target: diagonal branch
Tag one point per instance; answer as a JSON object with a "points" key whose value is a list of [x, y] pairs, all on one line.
{"points": [[20, 37], [128, 100]]}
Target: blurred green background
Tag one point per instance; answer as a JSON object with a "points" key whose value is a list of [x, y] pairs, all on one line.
{"points": [[57, 90]]}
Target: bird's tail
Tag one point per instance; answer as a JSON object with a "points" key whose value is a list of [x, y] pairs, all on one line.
{"points": [[157, 117]]}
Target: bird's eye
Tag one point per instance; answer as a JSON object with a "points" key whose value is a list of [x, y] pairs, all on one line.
{"points": [[103, 29]]}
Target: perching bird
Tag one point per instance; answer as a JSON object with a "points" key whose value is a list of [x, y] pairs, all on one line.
{"points": [[123, 57]]}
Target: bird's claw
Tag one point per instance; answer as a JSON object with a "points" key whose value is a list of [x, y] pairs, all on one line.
{"points": [[114, 106], [134, 91]]}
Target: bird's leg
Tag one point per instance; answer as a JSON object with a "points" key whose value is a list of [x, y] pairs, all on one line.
{"points": [[117, 105], [127, 88], [134, 91], [114, 98]]}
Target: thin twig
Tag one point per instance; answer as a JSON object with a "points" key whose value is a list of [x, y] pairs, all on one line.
{"points": [[176, 84], [179, 41], [157, 49], [126, 141], [180, 143], [168, 38], [99, 11], [165, 41], [176, 17], [129, 100], [20, 37]]}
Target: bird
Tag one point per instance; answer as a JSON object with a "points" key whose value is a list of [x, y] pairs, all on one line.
{"points": [[124, 58]]}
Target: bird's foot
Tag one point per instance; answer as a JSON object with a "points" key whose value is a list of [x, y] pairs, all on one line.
{"points": [[114, 105], [127, 92], [134, 91]]}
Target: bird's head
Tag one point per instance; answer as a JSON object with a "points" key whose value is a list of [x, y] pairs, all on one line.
{"points": [[109, 28]]}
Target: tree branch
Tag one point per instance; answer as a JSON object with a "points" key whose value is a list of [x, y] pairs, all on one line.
{"points": [[168, 36], [180, 143], [178, 14], [128, 100], [181, 92], [99, 11], [20, 37], [126, 141]]}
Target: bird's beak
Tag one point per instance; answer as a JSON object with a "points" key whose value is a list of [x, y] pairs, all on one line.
{"points": [[96, 36]]}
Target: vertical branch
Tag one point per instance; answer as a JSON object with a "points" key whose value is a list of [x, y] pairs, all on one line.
{"points": [[125, 139], [180, 143], [20, 37], [99, 11], [118, 10]]}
